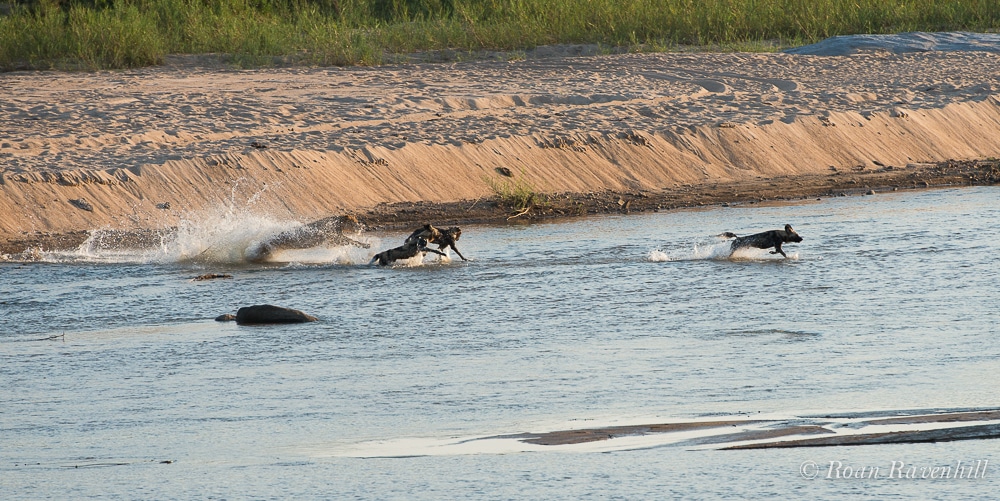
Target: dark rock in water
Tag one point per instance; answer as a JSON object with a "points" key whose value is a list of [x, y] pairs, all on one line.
{"points": [[227, 317], [211, 276], [269, 314], [80, 203]]}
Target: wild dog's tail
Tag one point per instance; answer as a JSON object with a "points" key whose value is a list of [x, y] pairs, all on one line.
{"points": [[727, 235]]}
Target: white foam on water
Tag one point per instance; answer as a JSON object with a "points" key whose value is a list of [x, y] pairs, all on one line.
{"points": [[702, 251], [429, 258], [657, 256], [713, 250], [343, 255], [231, 233], [752, 254], [717, 249], [412, 262], [221, 236]]}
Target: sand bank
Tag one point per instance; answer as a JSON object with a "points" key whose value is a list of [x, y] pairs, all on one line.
{"points": [[903, 426], [746, 431], [141, 149]]}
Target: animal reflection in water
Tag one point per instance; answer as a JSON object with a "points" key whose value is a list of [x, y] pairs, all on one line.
{"points": [[417, 244], [765, 240], [327, 232]]}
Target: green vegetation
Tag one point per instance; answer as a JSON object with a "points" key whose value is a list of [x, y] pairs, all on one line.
{"points": [[92, 34], [518, 193]]}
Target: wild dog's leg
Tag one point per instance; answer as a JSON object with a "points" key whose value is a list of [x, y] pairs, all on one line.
{"points": [[777, 250], [456, 251], [350, 241], [382, 258]]}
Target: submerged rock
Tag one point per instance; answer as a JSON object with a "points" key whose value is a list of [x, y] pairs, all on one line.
{"points": [[211, 276], [226, 317], [270, 314]]}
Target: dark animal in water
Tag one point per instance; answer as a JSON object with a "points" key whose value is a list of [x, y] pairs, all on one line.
{"points": [[765, 240], [410, 249], [442, 238], [328, 231]]}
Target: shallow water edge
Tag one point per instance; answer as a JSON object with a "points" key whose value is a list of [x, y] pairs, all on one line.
{"points": [[569, 205]]}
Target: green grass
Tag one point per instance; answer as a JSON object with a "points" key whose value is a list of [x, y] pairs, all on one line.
{"points": [[517, 193], [92, 34]]}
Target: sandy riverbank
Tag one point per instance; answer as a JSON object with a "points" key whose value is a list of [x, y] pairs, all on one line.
{"points": [[141, 149]]}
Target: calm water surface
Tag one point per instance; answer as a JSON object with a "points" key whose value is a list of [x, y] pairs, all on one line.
{"points": [[111, 362]]}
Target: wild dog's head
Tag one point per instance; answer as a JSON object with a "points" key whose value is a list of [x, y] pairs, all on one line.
{"points": [[790, 235], [350, 223], [454, 232], [429, 232]]}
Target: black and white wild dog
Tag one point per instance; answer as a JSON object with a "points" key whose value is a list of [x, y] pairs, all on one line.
{"points": [[765, 240]]}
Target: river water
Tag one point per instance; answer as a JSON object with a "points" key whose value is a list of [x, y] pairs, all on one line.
{"points": [[117, 383]]}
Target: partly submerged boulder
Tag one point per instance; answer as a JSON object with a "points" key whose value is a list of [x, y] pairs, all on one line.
{"points": [[270, 314], [211, 276]]}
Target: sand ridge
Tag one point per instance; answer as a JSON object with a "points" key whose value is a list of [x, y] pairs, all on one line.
{"points": [[141, 148]]}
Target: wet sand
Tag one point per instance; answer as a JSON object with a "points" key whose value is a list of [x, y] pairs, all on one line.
{"points": [[815, 431]]}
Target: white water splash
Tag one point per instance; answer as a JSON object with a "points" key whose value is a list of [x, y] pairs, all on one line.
{"points": [[230, 234], [423, 260], [657, 256], [710, 250], [342, 255], [717, 249]]}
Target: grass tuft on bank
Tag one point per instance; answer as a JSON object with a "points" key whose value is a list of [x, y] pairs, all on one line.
{"points": [[105, 34]]}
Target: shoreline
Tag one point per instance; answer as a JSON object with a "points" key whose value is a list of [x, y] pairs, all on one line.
{"points": [[556, 207], [708, 194]]}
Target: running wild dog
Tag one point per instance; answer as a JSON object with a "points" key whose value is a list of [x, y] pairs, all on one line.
{"points": [[410, 249], [765, 240], [442, 238]]}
